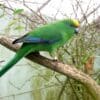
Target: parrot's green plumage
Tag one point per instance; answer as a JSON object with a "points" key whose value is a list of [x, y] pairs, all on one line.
{"points": [[46, 38]]}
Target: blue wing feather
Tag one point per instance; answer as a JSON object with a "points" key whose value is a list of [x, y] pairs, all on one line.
{"points": [[30, 39]]}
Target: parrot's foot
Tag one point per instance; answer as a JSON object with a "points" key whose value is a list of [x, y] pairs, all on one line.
{"points": [[56, 60]]}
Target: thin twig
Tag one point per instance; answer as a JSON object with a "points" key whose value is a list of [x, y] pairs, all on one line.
{"points": [[75, 92], [84, 16], [95, 9], [88, 6], [43, 5], [35, 13], [1, 61], [62, 89], [23, 15]]}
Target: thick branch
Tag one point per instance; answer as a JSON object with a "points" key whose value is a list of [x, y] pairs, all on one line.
{"points": [[88, 82]]}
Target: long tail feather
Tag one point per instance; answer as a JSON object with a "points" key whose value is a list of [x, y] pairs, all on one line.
{"points": [[20, 54]]}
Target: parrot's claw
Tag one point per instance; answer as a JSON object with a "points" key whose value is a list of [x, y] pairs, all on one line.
{"points": [[55, 58]]}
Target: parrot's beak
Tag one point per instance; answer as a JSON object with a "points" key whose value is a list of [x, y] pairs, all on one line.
{"points": [[76, 30]]}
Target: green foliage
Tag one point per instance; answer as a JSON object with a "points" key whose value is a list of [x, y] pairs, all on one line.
{"points": [[18, 11], [20, 27], [12, 22], [2, 15]]}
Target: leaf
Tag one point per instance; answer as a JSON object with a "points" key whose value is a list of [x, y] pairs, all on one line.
{"points": [[13, 22], [2, 15], [18, 11], [19, 27]]}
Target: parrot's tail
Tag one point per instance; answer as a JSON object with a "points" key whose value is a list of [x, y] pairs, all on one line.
{"points": [[23, 51]]}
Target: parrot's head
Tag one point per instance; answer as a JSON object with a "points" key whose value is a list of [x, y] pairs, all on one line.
{"points": [[74, 23]]}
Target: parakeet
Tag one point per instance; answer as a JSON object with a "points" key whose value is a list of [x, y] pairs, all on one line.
{"points": [[44, 38]]}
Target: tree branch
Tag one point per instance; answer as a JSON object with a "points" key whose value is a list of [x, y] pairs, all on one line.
{"points": [[92, 87]]}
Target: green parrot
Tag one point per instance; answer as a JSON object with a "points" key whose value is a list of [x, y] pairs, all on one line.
{"points": [[45, 38]]}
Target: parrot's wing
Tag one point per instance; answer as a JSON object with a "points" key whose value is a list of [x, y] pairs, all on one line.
{"points": [[30, 39]]}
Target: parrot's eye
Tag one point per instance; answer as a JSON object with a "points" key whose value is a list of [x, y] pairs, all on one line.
{"points": [[72, 25]]}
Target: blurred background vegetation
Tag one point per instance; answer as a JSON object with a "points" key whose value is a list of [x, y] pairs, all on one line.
{"points": [[30, 81]]}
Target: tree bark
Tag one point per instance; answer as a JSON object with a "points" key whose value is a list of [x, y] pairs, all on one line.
{"points": [[90, 84]]}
